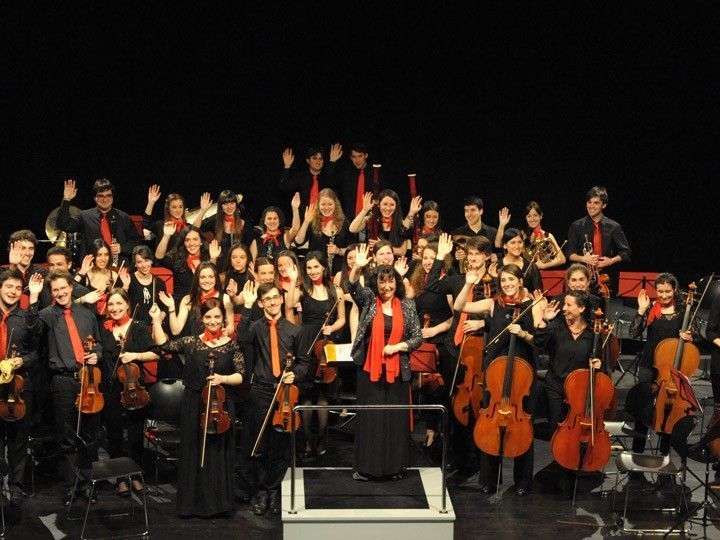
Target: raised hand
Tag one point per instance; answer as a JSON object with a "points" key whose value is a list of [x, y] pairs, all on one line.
{"points": [[292, 273], [401, 266], [205, 201], [35, 285], [214, 250], [415, 205], [124, 275], [551, 310], [643, 302], [504, 216], [232, 287], [250, 293], [471, 278], [15, 255], [154, 194], [167, 300], [336, 152], [368, 202], [361, 256], [90, 298], [445, 246], [310, 212], [295, 202], [69, 190], [288, 158], [168, 228], [251, 269], [86, 264]]}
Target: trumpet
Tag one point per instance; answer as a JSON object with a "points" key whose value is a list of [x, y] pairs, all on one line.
{"points": [[588, 249]]}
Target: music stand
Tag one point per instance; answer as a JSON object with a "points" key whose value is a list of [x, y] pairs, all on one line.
{"points": [[553, 281], [631, 283], [700, 452]]}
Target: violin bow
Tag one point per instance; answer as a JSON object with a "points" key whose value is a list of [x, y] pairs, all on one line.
{"points": [[516, 319], [705, 290], [269, 411], [211, 359], [122, 346], [327, 318]]}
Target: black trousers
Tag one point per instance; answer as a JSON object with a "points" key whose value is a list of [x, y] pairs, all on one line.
{"points": [[266, 471], [118, 419], [14, 437], [642, 395], [64, 390]]}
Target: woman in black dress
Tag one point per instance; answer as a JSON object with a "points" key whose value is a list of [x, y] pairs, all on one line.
{"points": [[435, 313], [173, 212], [138, 348], [206, 491], [275, 238], [318, 298], [388, 331], [663, 320], [501, 309], [144, 287], [514, 246], [228, 226]]}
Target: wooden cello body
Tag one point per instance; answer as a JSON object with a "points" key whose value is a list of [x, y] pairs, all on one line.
{"points": [[676, 353], [503, 428], [581, 441]]}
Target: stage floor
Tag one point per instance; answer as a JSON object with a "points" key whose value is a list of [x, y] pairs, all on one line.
{"points": [[542, 514]]}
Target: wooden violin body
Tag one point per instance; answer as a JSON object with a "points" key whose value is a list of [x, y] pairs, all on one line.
{"points": [[217, 418], [287, 398], [324, 373], [12, 404], [581, 441], [90, 400], [133, 395]]}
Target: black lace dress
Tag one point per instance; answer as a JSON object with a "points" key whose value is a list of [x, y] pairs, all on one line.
{"points": [[204, 491]]}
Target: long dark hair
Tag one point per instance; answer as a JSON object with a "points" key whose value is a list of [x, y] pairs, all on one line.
{"points": [[307, 285], [397, 217], [195, 291], [228, 195], [179, 254]]}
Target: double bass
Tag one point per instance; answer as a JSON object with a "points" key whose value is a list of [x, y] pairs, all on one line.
{"points": [[503, 428], [670, 405], [581, 442], [214, 419]]}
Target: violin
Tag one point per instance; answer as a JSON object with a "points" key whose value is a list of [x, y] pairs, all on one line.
{"points": [[12, 404], [503, 428], [214, 419], [581, 442], [428, 382], [133, 395], [90, 399], [670, 353], [281, 406], [286, 399], [324, 373]]}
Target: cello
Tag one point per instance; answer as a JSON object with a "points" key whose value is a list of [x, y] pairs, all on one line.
{"points": [[503, 428], [214, 419], [581, 442], [12, 404], [670, 406]]}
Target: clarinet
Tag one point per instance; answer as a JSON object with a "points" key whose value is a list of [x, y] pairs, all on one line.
{"points": [[331, 255]]}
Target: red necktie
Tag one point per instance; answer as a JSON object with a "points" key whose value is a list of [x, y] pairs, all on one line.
{"points": [[461, 321], [77, 344], [314, 190], [3, 335], [597, 240], [360, 192], [105, 229], [274, 351]]}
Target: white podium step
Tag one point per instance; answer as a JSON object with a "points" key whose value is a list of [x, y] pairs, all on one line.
{"points": [[368, 523]]}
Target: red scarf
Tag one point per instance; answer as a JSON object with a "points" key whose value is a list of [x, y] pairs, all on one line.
{"points": [[428, 230], [207, 296], [538, 233], [180, 224], [656, 310], [102, 303], [193, 261], [211, 337], [386, 221], [326, 220], [510, 300], [283, 281], [230, 220], [110, 324], [374, 359], [271, 236], [318, 281]]}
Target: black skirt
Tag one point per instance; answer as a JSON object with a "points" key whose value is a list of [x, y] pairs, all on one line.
{"points": [[382, 438]]}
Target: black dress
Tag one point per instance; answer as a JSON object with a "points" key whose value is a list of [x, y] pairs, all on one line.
{"points": [[314, 313], [207, 491], [382, 438], [142, 297]]}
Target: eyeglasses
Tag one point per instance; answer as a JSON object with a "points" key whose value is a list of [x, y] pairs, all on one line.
{"points": [[269, 299]]}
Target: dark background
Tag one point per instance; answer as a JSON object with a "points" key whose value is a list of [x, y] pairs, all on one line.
{"points": [[512, 102]]}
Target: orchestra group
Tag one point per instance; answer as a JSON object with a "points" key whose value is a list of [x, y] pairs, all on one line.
{"points": [[253, 308]]}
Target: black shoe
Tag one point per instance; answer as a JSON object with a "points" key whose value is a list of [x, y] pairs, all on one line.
{"points": [[521, 491], [259, 503], [275, 502], [70, 495], [16, 496], [358, 476], [488, 490]]}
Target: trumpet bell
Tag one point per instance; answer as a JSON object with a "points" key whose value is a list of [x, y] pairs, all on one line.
{"points": [[51, 230]]}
